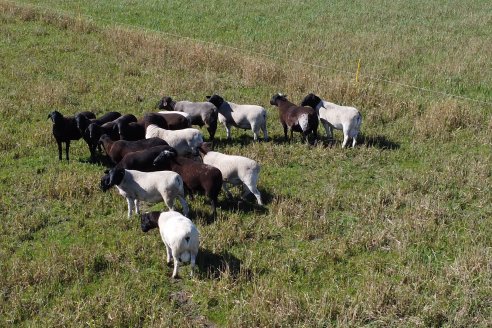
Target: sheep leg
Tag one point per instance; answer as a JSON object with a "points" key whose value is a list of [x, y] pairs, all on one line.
{"points": [[226, 190], [228, 131], [254, 190], [256, 131], [184, 205], [285, 130], [192, 263], [214, 208], [168, 254], [137, 208], [67, 148], [176, 266], [130, 207], [265, 132], [328, 130], [345, 139], [354, 141]]}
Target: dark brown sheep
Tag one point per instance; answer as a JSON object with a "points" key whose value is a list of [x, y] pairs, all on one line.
{"points": [[197, 177], [296, 118], [116, 150]]}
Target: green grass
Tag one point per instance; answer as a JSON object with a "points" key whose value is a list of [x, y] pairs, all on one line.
{"points": [[393, 233]]}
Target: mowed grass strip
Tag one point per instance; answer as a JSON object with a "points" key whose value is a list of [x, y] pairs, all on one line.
{"points": [[395, 232]]}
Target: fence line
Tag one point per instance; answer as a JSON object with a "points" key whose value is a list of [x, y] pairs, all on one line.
{"points": [[250, 52]]}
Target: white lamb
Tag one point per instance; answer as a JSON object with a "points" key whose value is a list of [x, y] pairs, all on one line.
{"points": [[347, 119], [151, 187], [242, 116], [185, 141], [235, 170], [178, 233]]}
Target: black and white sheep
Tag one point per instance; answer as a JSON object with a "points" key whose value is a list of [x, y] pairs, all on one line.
{"points": [[178, 233], [197, 177], [201, 113], [235, 170], [151, 187], [296, 118], [65, 129], [333, 116], [185, 141], [241, 116]]}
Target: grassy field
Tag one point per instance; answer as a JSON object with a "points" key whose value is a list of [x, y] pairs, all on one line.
{"points": [[396, 232]]}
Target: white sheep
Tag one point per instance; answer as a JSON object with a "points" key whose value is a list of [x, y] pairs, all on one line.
{"points": [[347, 119], [178, 233], [242, 116], [185, 141], [151, 187], [235, 170]]}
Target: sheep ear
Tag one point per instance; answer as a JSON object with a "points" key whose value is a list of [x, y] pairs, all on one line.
{"points": [[208, 97]]}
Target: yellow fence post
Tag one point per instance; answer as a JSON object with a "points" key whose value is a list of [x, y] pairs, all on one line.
{"points": [[357, 73]]}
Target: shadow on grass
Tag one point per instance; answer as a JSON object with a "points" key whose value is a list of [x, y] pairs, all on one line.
{"points": [[216, 266], [377, 141], [241, 140]]}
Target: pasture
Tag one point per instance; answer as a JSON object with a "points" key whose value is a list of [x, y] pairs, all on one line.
{"points": [[395, 232]]}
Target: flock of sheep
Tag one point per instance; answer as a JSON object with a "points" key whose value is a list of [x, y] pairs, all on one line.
{"points": [[161, 158]]}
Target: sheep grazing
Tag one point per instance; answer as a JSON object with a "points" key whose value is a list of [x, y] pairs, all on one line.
{"points": [[151, 187], [143, 160], [197, 177], [200, 113], [235, 170], [185, 141], [242, 116], [296, 118], [178, 233], [116, 150], [347, 119], [65, 129]]}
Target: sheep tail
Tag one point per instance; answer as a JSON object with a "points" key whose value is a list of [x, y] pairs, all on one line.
{"points": [[359, 119]]}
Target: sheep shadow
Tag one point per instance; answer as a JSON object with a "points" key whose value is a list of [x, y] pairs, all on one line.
{"points": [[244, 139], [215, 266], [377, 141]]}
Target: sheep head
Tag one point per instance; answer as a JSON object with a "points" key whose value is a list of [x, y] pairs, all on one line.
{"points": [[113, 177], [82, 122], [55, 116], [311, 100], [216, 100], [164, 158], [149, 220], [166, 103], [276, 97]]}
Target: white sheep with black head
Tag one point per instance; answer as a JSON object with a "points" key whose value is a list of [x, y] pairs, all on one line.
{"points": [[151, 187], [179, 234], [333, 116]]}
